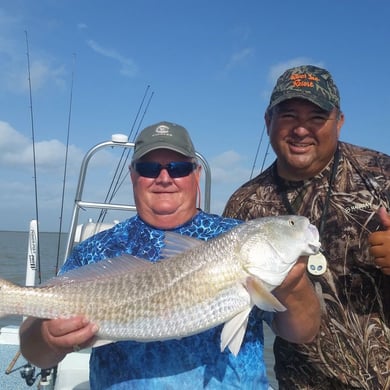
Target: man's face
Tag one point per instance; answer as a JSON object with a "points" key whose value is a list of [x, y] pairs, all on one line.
{"points": [[164, 197], [303, 136]]}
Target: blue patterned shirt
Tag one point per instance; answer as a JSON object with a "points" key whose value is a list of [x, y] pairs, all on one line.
{"points": [[194, 362]]}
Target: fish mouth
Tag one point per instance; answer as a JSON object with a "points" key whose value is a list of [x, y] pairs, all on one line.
{"points": [[315, 247], [315, 244]]}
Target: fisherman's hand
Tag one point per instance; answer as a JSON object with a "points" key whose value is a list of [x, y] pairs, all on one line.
{"points": [[297, 272], [380, 243], [45, 343], [67, 334], [300, 323]]}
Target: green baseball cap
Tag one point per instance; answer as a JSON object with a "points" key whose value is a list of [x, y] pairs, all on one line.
{"points": [[164, 135], [307, 82]]}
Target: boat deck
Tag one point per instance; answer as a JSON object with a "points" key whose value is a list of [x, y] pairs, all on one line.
{"points": [[72, 372], [8, 350]]}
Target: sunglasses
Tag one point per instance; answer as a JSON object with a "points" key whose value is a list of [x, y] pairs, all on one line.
{"points": [[175, 169]]}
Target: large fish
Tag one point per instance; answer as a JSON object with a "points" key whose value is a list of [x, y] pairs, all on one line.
{"points": [[198, 285]]}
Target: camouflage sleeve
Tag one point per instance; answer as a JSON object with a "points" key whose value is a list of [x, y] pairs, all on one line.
{"points": [[235, 207], [229, 212], [253, 198]]}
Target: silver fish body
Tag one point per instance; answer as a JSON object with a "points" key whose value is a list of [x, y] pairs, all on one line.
{"points": [[200, 284]]}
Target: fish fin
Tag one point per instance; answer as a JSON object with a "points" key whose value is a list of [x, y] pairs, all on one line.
{"points": [[176, 243], [234, 330], [100, 343], [112, 267], [262, 297]]}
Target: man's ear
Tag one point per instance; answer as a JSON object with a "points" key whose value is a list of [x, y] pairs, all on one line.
{"points": [[340, 123], [267, 119]]}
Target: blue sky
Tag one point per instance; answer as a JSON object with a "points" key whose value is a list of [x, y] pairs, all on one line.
{"points": [[210, 65]]}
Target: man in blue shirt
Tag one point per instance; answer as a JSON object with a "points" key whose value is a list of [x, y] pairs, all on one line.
{"points": [[165, 177]]}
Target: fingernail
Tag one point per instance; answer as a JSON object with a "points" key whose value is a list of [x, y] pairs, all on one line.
{"points": [[95, 328], [85, 321]]}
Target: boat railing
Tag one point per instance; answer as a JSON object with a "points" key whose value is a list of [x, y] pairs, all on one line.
{"points": [[117, 141]]}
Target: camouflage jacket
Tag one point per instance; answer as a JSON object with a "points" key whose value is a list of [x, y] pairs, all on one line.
{"points": [[352, 349]]}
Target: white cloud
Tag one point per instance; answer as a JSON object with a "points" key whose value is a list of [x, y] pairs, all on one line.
{"points": [[16, 151], [229, 157], [42, 73], [10, 138], [228, 168], [128, 67], [14, 63], [17, 178], [14, 75], [239, 58], [12, 190]]}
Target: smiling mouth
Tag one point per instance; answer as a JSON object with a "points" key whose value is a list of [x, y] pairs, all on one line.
{"points": [[163, 193], [300, 145]]}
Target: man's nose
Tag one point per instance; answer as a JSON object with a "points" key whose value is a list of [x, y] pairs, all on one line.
{"points": [[163, 176]]}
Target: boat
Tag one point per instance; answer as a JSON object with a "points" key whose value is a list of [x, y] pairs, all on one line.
{"points": [[73, 372]]}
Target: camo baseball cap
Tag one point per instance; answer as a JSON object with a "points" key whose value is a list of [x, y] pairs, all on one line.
{"points": [[306, 82], [163, 135]]}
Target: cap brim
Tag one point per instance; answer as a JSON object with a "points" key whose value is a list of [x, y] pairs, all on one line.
{"points": [[322, 103], [160, 145]]}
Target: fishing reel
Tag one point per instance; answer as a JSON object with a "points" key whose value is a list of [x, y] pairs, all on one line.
{"points": [[27, 372]]}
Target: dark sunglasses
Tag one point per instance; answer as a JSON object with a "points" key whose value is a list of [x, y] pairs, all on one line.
{"points": [[175, 169]]}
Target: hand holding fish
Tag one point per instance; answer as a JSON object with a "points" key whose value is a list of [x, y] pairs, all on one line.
{"points": [[57, 337], [380, 243], [296, 293], [66, 333]]}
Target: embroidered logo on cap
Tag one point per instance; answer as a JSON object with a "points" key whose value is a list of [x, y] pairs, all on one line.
{"points": [[162, 130], [303, 80]]}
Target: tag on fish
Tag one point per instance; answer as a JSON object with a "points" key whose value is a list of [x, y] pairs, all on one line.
{"points": [[317, 264]]}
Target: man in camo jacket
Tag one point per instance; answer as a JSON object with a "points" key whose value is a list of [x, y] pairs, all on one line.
{"points": [[345, 191]]}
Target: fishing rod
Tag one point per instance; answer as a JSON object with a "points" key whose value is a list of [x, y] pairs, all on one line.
{"points": [[265, 157], [28, 371], [65, 166], [34, 159], [113, 189], [257, 152], [139, 111], [142, 119], [124, 171]]}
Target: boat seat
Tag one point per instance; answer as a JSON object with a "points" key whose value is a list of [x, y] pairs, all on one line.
{"points": [[90, 228]]}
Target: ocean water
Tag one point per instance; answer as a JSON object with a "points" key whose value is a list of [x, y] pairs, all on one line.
{"points": [[13, 261]]}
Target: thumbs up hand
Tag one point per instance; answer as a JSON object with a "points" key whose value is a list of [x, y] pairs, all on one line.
{"points": [[380, 243]]}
